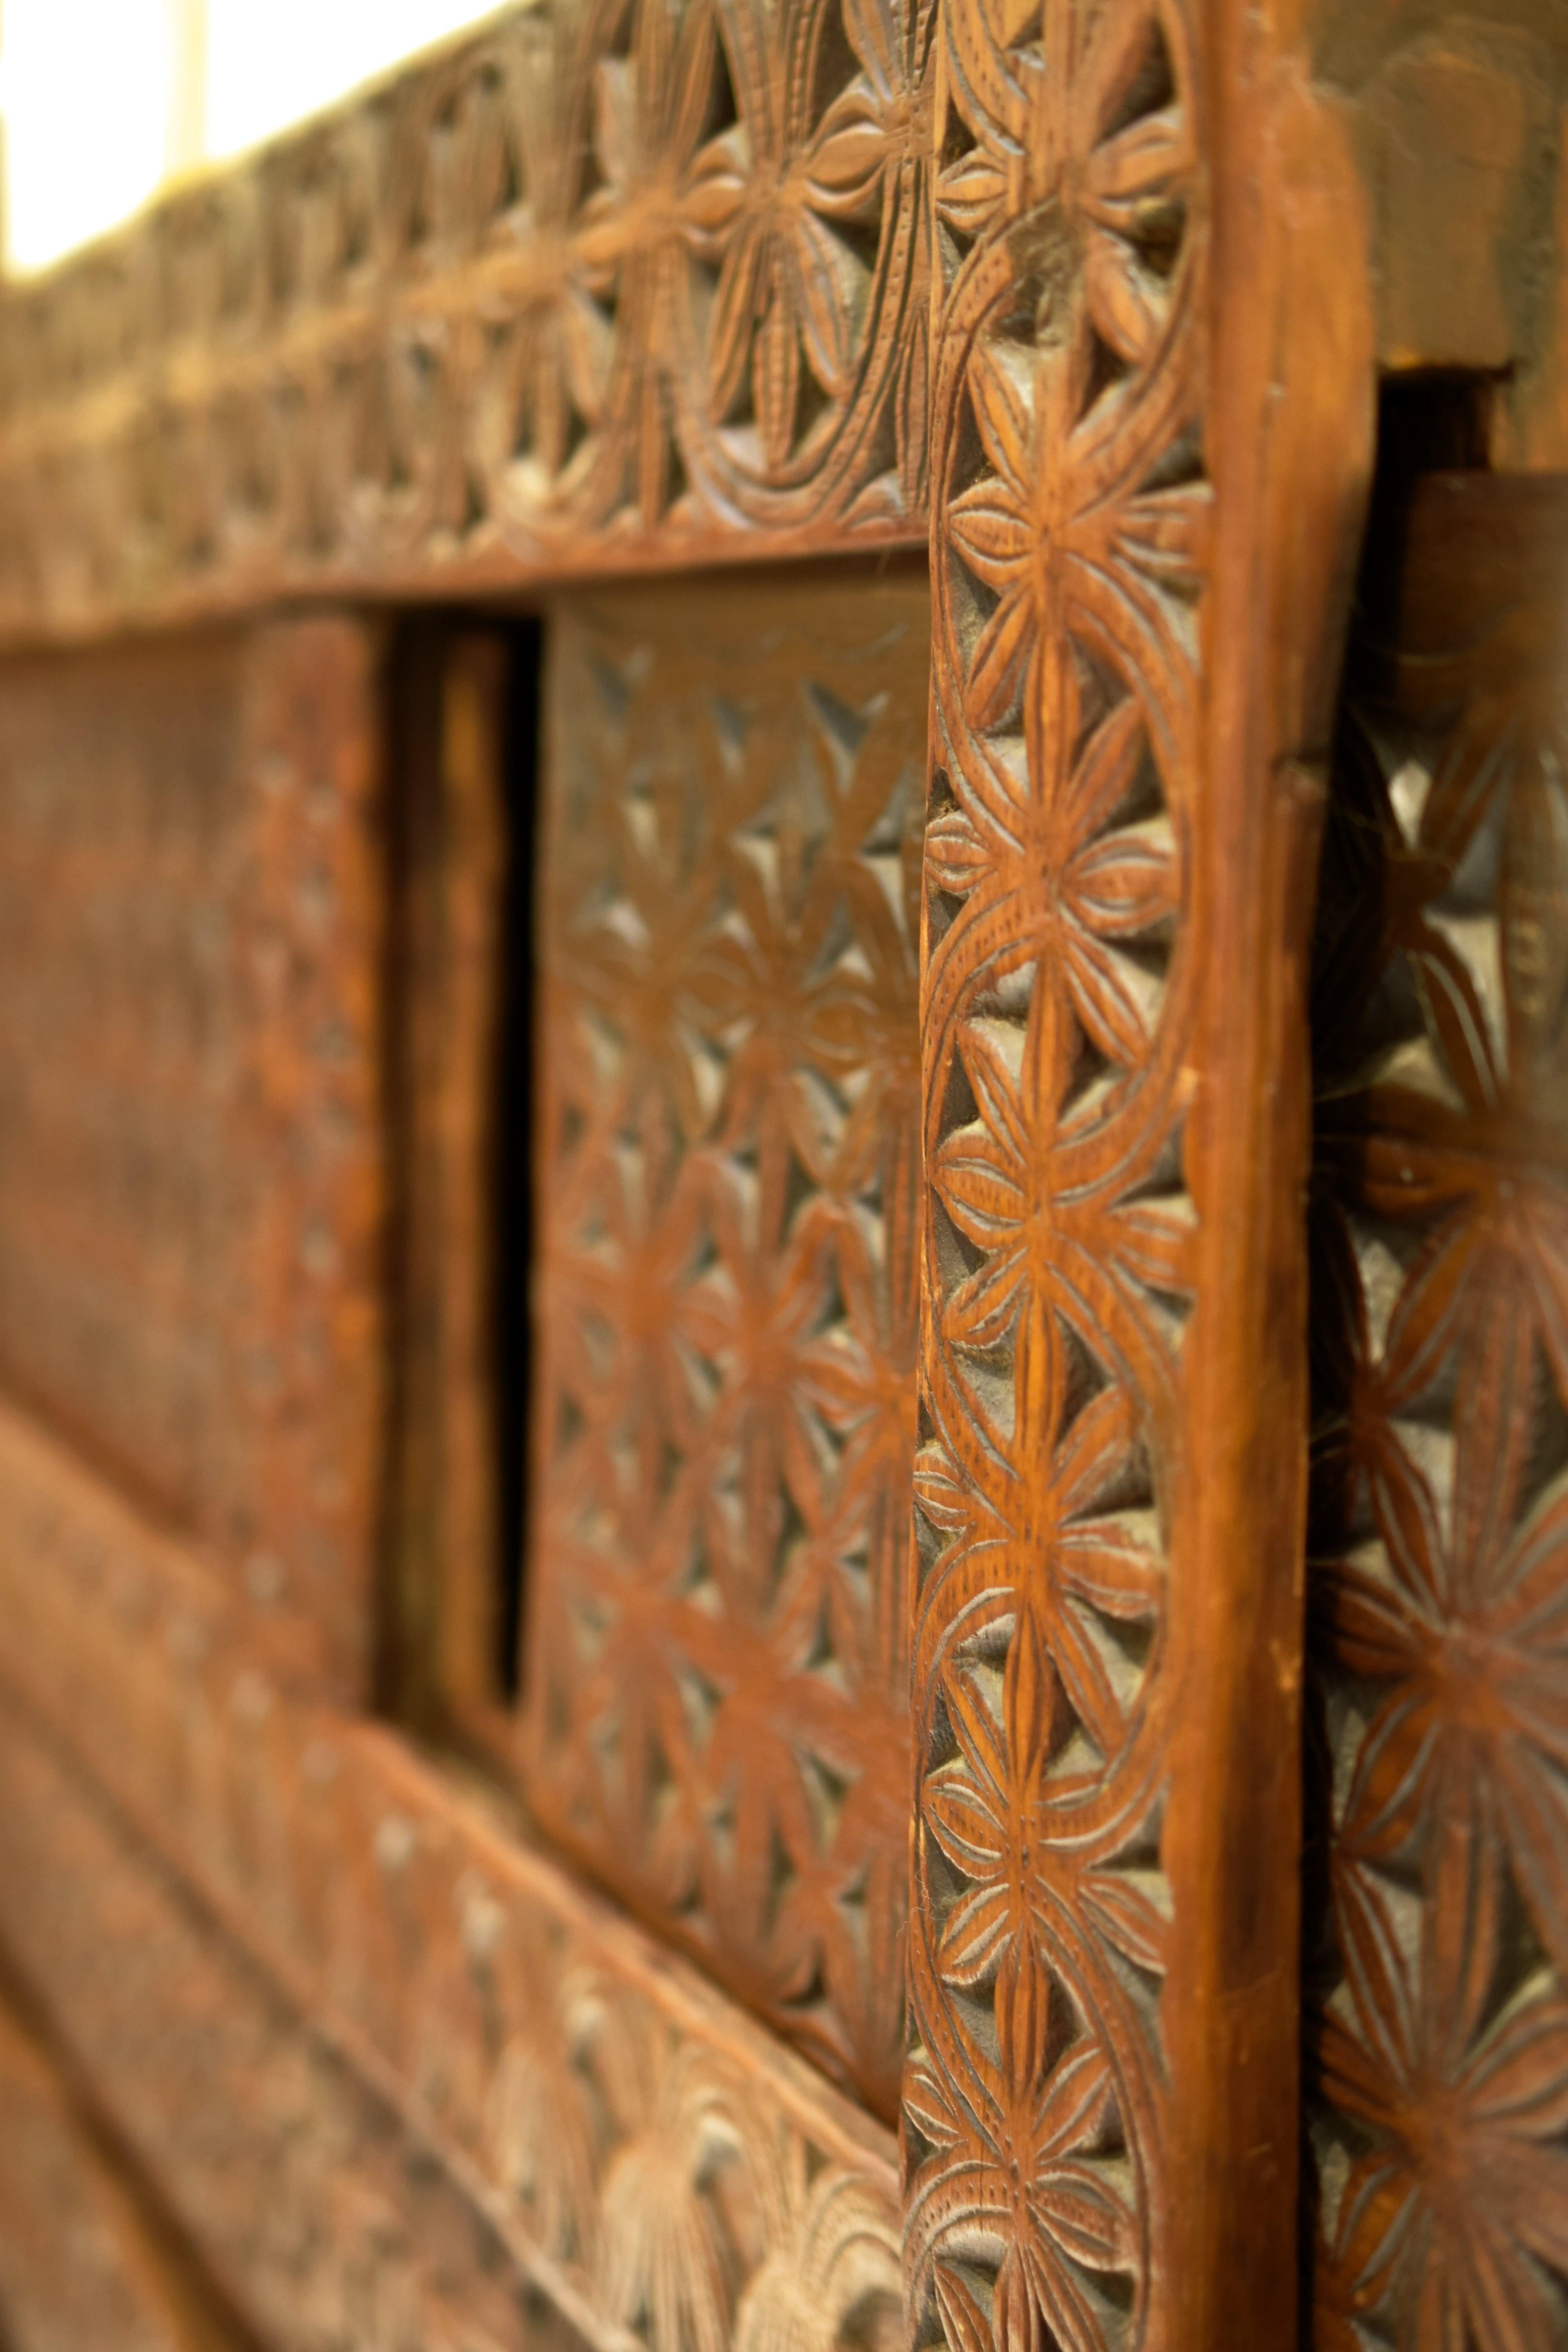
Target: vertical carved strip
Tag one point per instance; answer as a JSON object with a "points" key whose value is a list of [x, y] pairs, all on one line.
{"points": [[1437, 2060], [1131, 639], [1068, 569]]}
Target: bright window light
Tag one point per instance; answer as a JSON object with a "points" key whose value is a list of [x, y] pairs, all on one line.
{"points": [[270, 61], [86, 88], [102, 101]]}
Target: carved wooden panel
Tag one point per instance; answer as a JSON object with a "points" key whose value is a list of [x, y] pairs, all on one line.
{"points": [[1438, 2035], [1057, 1241], [727, 1181], [189, 1038], [619, 279], [390, 2062], [1140, 494]]}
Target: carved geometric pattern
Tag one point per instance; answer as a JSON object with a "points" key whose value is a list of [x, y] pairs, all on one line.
{"points": [[619, 278], [559, 2101], [728, 1174], [1437, 1964], [190, 1182], [1067, 574]]}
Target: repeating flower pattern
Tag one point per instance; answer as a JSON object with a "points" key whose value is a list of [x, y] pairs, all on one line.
{"points": [[1438, 2047], [624, 269], [724, 1398], [1068, 569]]}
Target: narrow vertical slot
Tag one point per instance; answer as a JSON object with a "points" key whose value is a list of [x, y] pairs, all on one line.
{"points": [[513, 1171], [463, 701], [1384, 1108]]}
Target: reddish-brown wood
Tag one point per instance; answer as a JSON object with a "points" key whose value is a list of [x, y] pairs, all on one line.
{"points": [[633, 285], [190, 1035], [1438, 2039], [80, 2267], [629, 283], [398, 2055], [1133, 668], [727, 1174]]}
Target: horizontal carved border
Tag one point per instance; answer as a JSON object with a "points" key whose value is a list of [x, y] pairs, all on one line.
{"points": [[643, 2153], [614, 282]]}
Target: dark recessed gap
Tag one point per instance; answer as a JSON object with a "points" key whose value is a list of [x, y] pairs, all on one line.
{"points": [[514, 1194]]}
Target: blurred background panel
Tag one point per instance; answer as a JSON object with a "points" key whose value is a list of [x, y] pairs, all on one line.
{"points": [[103, 103]]}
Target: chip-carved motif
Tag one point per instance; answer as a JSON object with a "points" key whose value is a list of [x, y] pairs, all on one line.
{"points": [[727, 1173], [612, 2128], [1438, 2023], [1068, 564], [612, 277]]}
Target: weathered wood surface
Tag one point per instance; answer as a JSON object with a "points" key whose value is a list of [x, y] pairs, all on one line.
{"points": [[564, 302], [80, 2269], [1146, 485], [616, 282], [384, 2058], [192, 1169], [727, 1178], [1438, 2032], [606, 283]]}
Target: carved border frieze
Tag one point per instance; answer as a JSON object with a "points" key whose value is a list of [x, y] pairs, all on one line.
{"points": [[1066, 579], [610, 282], [646, 2155], [1143, 503]]}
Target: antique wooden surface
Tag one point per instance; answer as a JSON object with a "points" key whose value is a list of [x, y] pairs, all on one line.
{"points": [[81, 2268], [727, 1173], [618, 281], [326, 2222], [606, 281], [1133, 669], [538, 2094], [637, 285], [1439, 2032], [190, 1184]]}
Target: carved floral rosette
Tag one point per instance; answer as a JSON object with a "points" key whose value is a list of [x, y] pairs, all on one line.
{"points": [[610, 278], [1066, 569]]}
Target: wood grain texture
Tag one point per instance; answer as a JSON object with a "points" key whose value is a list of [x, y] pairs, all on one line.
{"points": [[79, 2269], [452, 2072], [620, 280], [1133, 630], [1438, 2029], [190, 1188], [727, 1171]]}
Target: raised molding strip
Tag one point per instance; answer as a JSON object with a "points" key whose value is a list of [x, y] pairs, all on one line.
{"points": [[607, 284], [639, 2150]]}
